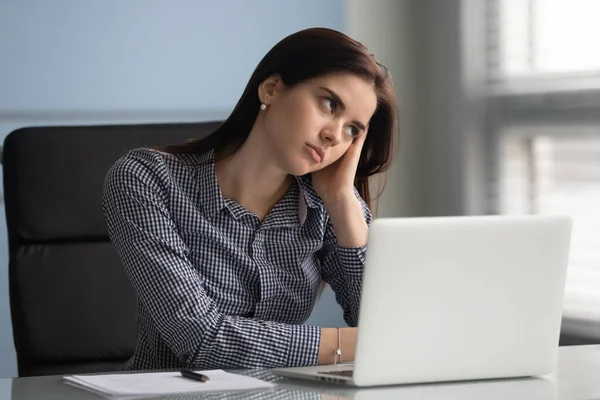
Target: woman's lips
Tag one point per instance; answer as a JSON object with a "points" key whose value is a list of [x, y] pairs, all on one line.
{"points": [[315, 152]]}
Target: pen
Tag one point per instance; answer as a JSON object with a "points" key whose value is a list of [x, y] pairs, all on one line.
{"points": [[194, 375]]}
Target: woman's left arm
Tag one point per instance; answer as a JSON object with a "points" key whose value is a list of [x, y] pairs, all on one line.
{"points": [[343, 253], [350, 218], [344, 246]]}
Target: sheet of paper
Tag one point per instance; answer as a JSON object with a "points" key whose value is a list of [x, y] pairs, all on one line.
{"points": [[163, 383]]}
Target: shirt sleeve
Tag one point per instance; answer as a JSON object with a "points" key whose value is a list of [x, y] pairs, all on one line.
{"points": [[343, 269], [155, 259]]}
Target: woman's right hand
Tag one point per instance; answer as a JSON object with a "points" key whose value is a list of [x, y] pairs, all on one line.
{"points": [[329, 344]]}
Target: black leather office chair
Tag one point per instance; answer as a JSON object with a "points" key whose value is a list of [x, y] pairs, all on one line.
{"points": [[72, 308]]}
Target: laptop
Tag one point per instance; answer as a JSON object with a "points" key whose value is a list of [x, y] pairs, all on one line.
{"points": [[457, 298]]}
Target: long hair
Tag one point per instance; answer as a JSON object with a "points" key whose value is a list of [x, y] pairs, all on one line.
{"points": [[301, 56]]}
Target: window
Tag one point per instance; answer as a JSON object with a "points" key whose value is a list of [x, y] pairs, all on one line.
{"points": [[545, 37], [544, 76]]}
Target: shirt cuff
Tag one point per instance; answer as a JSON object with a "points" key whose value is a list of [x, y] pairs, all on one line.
{"points": [[352, 259], [304, 346]]}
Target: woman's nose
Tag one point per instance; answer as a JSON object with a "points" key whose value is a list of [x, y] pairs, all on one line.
{"points": [[332, 134]]}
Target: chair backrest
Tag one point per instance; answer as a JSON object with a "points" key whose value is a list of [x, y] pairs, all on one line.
{"points": [[72, 308]]}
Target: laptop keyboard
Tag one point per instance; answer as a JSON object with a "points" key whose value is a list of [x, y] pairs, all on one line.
{"points": [[345, 372]]}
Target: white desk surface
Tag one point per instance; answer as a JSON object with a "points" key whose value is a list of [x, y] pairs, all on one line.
{"points": [[577, 377]]}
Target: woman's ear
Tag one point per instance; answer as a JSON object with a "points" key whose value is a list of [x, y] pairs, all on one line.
{"points": [[269, 88]]}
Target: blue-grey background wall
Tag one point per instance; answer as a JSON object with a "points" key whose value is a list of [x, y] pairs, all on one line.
{"points": [[107, 61]]}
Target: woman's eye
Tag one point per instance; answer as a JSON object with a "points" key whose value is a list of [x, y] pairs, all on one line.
{"points": [[330, 104], [353, 131]]}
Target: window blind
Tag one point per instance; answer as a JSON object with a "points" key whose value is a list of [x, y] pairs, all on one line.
{"points": [[544, 81], [544, 38]]}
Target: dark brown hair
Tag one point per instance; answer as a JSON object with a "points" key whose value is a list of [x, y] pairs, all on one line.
{"points": [[301, 56]]}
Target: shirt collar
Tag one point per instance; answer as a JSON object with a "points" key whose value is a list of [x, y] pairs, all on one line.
{"points": [[308, 197], [212, 200], [209, 194]]}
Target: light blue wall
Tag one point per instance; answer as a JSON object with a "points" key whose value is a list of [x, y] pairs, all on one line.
{"points": [[106, 61]]}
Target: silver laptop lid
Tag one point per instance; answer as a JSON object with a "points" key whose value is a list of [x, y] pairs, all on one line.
{"points": [[461, 298]]}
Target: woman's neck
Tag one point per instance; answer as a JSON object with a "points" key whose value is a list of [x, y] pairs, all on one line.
{"points": [[251, 177]]}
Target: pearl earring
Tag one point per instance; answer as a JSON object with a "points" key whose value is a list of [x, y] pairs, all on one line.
{"points": [[263, 106]]}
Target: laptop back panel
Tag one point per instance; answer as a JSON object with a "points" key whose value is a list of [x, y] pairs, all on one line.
{"points": [[459, 298]]}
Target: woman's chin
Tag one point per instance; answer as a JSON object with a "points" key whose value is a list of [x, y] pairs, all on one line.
{"points": [[300, 167], [300, 171]]}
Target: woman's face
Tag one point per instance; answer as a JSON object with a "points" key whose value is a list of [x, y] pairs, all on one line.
{"points": [[312, 124]]}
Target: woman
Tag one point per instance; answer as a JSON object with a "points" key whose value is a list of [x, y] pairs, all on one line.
{"points": [[227, 238]]}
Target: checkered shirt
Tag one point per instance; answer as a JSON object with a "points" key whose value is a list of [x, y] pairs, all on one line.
{"points": [[217, 287]]}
